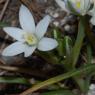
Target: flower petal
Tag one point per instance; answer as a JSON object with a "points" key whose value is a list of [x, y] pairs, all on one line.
{"points": [[42, 26], [47, 44], [26, 19], [62, 5], [92, 20], [14, 49], [92, 13], [29, 50], [85, 6], [14, 32]]}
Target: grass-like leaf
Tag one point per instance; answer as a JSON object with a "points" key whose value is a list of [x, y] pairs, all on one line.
{"points": [[61, 77], [3, 24], [14, 80], [59, 92]]}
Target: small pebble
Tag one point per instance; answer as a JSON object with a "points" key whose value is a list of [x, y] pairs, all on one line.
{"points": [[32, 81], [91, 90], [63, 21], [56, 23], [67, 27], [55, 15], [92, 87]]}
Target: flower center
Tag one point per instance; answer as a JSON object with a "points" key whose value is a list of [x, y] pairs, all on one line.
{"points": [[78, 4], [30, 38]]}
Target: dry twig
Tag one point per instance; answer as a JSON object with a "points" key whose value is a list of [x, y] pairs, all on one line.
{"points": [[1, 1], [1, 17], [4, 9]]}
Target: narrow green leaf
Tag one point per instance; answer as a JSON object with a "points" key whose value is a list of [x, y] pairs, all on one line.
{"points": [[61, 77], [58, 36], [67, 45], [60, 48], [14, 80], [59, 92], [3, 24], [56, 33]]}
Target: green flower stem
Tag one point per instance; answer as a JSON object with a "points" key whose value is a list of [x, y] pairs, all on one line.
{"points": [[83, 30], [72, 73], [79, 42], [76, 51], [71, 60]]}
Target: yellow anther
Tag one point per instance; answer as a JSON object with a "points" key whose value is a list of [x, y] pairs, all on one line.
{"points": [[30, 38], [78, 4]]}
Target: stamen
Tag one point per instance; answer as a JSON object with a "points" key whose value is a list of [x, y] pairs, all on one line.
{"points": [[78, 4], [30, 38]]}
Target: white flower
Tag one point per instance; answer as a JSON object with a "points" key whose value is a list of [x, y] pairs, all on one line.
{"points": [[92, 13], [29, 37], [91, 90], [75, 6], [79, 7]]}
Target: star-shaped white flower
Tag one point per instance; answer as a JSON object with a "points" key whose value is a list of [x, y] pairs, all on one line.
{"points": [[75, 6], [79, 7], [29, 37]]}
